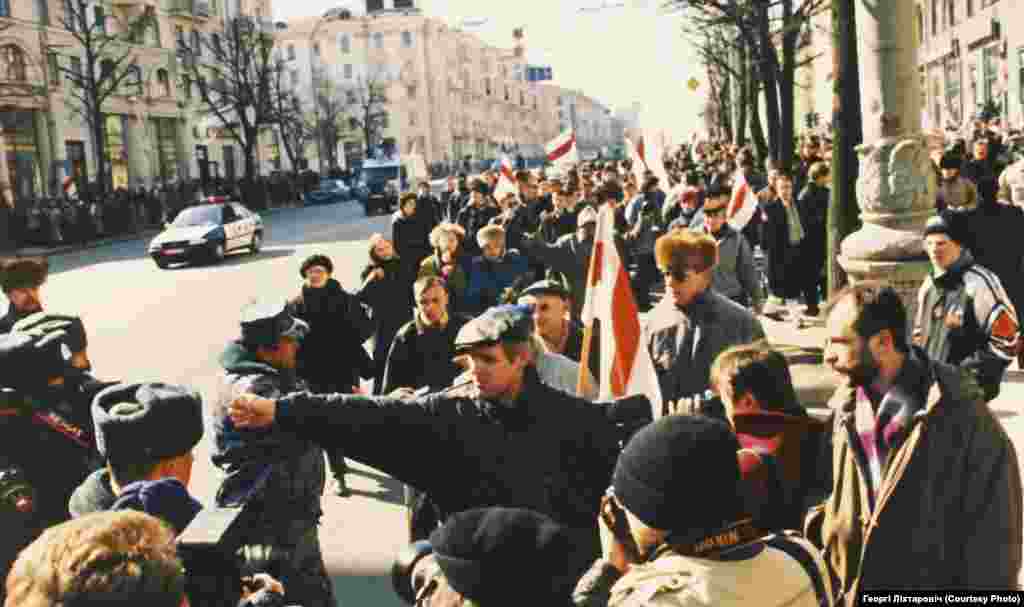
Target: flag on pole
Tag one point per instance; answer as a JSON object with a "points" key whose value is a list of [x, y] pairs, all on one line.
{"points": [[742, 204], [506, 178], [625, 364], [562, 148], [636, 158]]}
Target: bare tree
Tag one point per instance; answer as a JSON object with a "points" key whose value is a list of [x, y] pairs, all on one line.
{"points": [[235, 70], [290, 116], [104, 65], [368, 101], [334, 106], [771, 32]]}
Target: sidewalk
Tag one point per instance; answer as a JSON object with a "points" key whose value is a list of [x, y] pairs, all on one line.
{"points": [[93, 244]]}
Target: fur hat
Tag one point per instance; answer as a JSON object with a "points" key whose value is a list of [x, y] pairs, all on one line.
{"points": [[23, 273]]}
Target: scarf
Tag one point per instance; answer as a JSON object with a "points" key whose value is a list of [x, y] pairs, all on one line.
{"points": [[796, 229], [882, 433]]}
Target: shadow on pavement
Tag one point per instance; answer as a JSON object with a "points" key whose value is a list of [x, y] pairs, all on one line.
{"points": [[237, 259], [127, 250]]}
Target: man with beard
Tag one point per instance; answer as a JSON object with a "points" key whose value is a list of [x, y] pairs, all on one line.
{"points": [[423, 350], [926, 490], [22, 282], [693, 324], [955, 192], [964, 316], [332, 357]]}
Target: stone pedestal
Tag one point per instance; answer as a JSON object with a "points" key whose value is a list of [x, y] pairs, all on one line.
{"points": [[897, 184]]}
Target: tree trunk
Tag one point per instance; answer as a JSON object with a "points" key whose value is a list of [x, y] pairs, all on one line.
{"points": [[768, 72], [725, 108], [99, 148], [742, 100], [787, 129], [843, 212], [756, 128]]}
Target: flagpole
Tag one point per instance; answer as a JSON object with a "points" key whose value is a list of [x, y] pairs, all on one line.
{"points": [[583, 385]]}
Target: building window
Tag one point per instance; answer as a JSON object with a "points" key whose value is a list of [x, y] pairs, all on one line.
{"points": [[990, 72], [951, 12], [12, 64], [378, 40], [935, 17], [919, 14], [347, 71], [163, 82], [522, 98], [407, 39], [400, 4], [410, 91], [291, 52], [345, 44], [374, 5], [507, 95], [970, 8], [5, 8], [412, 118], [316, 50]]}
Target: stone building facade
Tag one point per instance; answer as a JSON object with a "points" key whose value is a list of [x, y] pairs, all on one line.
{"points": [[450, 95], [155, 130]]}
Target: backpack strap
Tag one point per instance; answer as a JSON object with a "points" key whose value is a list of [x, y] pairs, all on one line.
{"points": [[802, 554]]}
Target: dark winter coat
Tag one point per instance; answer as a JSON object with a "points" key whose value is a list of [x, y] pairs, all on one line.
{"points": [[390, 303], [422, 356], [167, 499], [949, 509], [994, 237], [549, 452], [568, 256], [332, 357], [472, 218], [781, 256], [813, 208], [488, 280], [411, 236]]}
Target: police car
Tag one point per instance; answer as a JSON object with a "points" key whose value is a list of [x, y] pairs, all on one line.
{"points": [[208, 232]]}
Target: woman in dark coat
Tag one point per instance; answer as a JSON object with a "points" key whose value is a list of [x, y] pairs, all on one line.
{"points": [[813, 206], [332, 358], [778, 242], [387, 291], [410, 231]]}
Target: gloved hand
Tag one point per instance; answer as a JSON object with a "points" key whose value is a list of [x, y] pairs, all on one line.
{"points": [[32, 352], [49, 327]]}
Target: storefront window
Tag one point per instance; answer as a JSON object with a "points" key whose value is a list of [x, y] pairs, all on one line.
{"points": [[954, 104], [19, 156], [990, 73], [117, 154]]}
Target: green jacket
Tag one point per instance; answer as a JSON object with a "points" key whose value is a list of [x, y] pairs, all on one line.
{"points": [[949, 508]]}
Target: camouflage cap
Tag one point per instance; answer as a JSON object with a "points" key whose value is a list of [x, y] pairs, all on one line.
{"points": [[499, 324]]}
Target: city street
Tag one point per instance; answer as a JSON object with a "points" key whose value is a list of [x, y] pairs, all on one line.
{"points": [[170, 325]]}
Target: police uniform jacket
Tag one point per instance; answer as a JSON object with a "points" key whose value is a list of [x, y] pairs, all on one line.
{"points": [[549, 452], [965, 318], [684, 343], [948, 513], [290, 468]]}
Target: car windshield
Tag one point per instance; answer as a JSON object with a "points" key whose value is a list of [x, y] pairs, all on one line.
{"points": [[330, 184], [379, 174], [198, 216]]}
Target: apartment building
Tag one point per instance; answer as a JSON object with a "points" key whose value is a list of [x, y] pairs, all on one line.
{"points": [[450, 95], [154, 127]]}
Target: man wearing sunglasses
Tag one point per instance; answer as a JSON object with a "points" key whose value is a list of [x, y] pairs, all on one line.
{"points": [[694, 323], [735, 275]]}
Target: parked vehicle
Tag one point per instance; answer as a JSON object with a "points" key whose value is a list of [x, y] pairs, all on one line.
{"points": [[380, 183], [329, 191]]}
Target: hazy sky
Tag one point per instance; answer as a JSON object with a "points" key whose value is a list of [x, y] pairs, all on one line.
{"points": [[617, 55]]}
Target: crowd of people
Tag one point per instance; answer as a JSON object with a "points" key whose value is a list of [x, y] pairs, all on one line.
{"points": [[521, 487]]}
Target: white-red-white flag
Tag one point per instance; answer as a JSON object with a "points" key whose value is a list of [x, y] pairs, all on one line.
{"points": [[506, 178], [562, 148], [625, 364], [742, 204]]}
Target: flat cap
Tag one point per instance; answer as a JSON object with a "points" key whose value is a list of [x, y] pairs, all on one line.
{"points": [[508, 556], [546, 287], [496, 325], [949, 223], [263, 324], [147, 422]]}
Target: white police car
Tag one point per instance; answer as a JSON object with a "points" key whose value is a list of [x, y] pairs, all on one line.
{"points": [[207, 232]]}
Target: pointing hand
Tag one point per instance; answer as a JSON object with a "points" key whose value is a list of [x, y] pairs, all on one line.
{"points": [[252, 411]]}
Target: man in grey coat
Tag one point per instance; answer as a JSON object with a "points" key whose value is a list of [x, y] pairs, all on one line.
{"points": [[735, 275], [693, 324]]}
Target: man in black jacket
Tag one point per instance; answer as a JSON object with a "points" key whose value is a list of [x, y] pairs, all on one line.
{"points": [[280, 474], [475, 215], [507, 440], [332, 357]]}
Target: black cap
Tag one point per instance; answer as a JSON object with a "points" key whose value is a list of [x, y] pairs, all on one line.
{"points": [[546, 287], [147, 422], [950, 224], [496, 325], [508, 556], [263, 324], [651, 475]]}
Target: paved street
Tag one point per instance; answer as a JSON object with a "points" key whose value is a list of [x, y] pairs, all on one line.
{"points": [[148, 324], [170, 325]]}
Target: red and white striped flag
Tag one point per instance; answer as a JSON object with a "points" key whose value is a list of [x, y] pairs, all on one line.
{"points": [[637, 158], [506, 178], [626, 368], [742, 204], [562, 148]]}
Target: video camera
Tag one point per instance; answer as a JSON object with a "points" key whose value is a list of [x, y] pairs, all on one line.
{"points": [[219, 565]]}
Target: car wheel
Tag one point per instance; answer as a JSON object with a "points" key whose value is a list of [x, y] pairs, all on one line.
{"points": [[163, 265], [217, 254], [257, 243]]}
